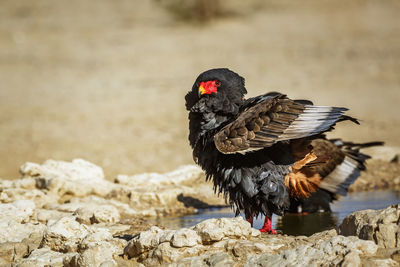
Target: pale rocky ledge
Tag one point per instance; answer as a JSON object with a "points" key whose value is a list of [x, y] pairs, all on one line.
{"points": [[67, 214]]}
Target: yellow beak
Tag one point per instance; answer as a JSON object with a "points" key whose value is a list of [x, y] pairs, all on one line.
{"points": [[202, 90]]}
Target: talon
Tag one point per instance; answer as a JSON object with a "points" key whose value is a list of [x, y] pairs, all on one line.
{"points": [[267, 227], [272, 231]]}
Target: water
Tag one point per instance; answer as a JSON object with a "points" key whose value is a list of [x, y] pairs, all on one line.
{"points": [[294, 224]]}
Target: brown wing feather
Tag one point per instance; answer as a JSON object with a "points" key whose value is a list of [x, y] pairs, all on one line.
{"points": [[325, 148], [258, 126]]}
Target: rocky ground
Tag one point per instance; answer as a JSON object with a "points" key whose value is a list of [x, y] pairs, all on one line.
{"points": [[68, 214]]}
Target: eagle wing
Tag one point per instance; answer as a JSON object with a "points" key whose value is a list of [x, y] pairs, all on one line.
{"points": [[344, 165], [271, 118]]}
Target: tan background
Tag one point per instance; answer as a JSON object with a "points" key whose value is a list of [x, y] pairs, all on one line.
{"points": [[105, 80]]}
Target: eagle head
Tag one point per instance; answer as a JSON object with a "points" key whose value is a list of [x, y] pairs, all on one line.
{"points": [[216, 90]]}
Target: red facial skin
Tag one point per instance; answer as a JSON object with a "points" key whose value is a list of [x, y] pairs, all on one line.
{"points": [[209, 87]]}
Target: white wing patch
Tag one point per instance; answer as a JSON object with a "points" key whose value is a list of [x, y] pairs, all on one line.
{"points": [[339, 180], [313, 120]]}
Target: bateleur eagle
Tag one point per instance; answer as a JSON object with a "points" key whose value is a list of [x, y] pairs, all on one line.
{"points": [[262, 151]]}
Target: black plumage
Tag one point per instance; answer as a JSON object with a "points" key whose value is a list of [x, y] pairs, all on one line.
{"points": [[257, 151]]}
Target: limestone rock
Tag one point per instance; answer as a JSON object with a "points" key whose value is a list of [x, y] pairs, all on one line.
{"points": [[26, 183], [88, 201], [12, 231], [183, 175], [14, 223], [165, 253], [97, 254], [323, 249], [215, 229], [143, 242], [19, 210], [65, 235], [220, 260], [243, 248], [177, 192], [95, 236], [352, 259], [381, 226], [46, 257], [67, 214], [97, 214], [198, 261], [39, 197], [12, 251], [77, 178], [49, 216], [185, 238]]}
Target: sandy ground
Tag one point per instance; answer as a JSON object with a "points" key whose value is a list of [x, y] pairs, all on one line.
{"points": [[105, 80]]}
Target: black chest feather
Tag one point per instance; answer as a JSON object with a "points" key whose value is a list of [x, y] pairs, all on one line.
{"points": [[253, 182]]}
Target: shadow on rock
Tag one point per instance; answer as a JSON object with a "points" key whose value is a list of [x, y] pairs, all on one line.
{"points": [[189, 201]]}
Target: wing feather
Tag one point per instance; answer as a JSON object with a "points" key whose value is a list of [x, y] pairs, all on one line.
{"points": [[271, 118]]}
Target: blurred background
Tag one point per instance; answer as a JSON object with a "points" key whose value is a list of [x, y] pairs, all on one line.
{"points": [[105, 80]]}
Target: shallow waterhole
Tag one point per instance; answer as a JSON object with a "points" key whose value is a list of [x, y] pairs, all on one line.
{"points": [[293, 224]]}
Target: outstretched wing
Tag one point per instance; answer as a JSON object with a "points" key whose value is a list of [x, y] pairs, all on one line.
{"points": [[344, 165], [271, 118]]}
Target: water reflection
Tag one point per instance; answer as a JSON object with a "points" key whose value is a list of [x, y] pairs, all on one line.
{"points": [[293, 224]]}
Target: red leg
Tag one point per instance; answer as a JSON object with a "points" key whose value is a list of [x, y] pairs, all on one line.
{"points": [[250, 220], [268, 226]]}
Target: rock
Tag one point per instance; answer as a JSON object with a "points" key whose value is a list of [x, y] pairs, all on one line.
{"points": [[184, 175], [215, 229], [381, 262], [76, 178], [258, 260], [12, 216], [46, 257], [176, 192], [97, 254], [75, 203], [38, 197], [352, 259], [50, 220], [18, 211], [338, 244], [328, 250], [114, 229], [381, 226], [197, 261], [65, 235], [111, 263], [220, 260], [12, 251], [97, 214], [96, 246], [143, 242], [45, 216], [185, 238], [12, 231], [54, 183], [95, 236], [243, 248], [164, 253]]}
